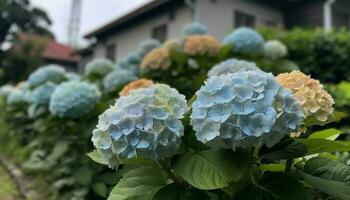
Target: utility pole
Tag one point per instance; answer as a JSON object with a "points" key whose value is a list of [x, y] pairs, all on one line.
{"points": [[74, 23]]}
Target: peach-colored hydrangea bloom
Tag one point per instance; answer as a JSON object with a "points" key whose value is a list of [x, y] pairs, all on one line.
{"points": [[310, 94], [201, 45], [158, 58], [141, 83]]}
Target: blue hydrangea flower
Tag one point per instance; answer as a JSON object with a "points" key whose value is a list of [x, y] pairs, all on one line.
{"points": [[244, 109], [99, 67], [40, 95], [245, 41], [48, 73], [73, 76], [5, 90], [195, 28], [128, 65], [74, 99], [275, 49], [147, 46], [117, 79], [15, 97], [134, 57], [146, 123], [232, 66]]}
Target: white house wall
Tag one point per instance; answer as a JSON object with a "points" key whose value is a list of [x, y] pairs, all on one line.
{"points": [[128, 39], [218, 15]]}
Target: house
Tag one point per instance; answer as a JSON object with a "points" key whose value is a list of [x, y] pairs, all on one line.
{"points": [[163, 19], [46, 49]]}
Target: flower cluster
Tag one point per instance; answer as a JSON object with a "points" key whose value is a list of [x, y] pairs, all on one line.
{"points": [[5, 90], [117, 79], [158, 58], [132, 61], [49, 73], [40, 95], [147, 46], [74, 99], [244, 109], [141, 83], [245, 41], [99, 67], [146, 123], [195, 28], [172, 44], [72, 76], [201, 45], [232, 66], [310, 94], [15, 97], [275, 49]]}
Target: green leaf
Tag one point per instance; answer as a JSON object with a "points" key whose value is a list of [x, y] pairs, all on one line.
{"points": [[59, 149], [322, 145], [212, 169], [336, 189], [328, 169], [95, 155], [83, 176], [139, 184], [335, 117], [329, 134], [278, 167], [100, 189], [178, 57], [275, 186], [225, 51], [285, 149], [174, 192]]}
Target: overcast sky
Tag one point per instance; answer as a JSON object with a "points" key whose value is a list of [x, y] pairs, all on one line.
{"points": [[94, 13]]}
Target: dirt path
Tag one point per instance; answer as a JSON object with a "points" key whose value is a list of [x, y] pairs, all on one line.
{"points": [[8, 188]]}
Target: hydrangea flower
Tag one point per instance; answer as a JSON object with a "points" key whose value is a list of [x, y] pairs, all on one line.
{"points": [[147, 46], [172, 44], [74, 99], [126, 64], [275, 49], [158, 58], [232, 66], [245, 41], [117, 79], [140, 83], [134, 57], [146, 123], [48, 73], [5, 90], [244, 109], [201, 45], [195, 28], [40, 95], [15, 97], [310, 94], [73, 76], [99, 67]]}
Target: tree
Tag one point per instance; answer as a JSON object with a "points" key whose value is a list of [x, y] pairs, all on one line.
{"points": [[21, 16]]}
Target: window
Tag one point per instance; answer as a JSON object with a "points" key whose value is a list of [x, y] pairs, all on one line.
{"points": [[160, 33], [243, 19], [110, 52]]}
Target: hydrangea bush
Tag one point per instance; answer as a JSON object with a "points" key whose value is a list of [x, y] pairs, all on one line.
{"points": [[232, 139]]}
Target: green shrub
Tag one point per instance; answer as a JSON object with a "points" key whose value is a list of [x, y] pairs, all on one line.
{"points": [[325, 56]]}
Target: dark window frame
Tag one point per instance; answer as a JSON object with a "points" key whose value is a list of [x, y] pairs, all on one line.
{"points": [[243, 19], [160, 32], [111, 50]]}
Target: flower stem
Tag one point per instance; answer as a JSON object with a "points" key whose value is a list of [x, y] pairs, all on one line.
{"points": [[288, 169], [167, 169]]}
